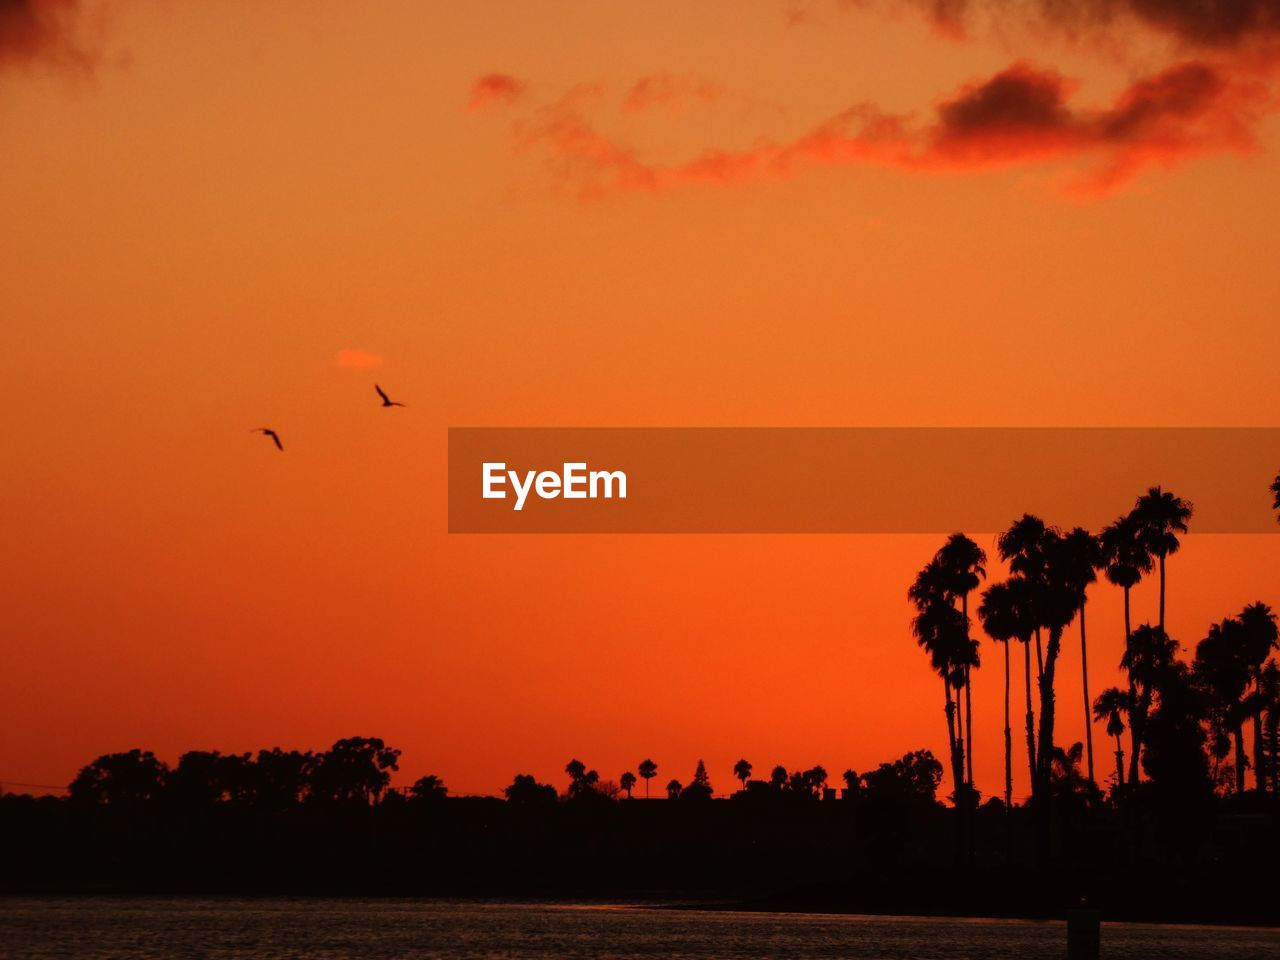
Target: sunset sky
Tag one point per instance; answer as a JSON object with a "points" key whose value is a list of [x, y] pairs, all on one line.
{"points": [[225, 216]]}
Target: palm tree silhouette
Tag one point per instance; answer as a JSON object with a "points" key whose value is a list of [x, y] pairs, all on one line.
{"points": [[1222, 672], [627, 781], [1125, 559], [1260, 636], [1022, 547], [938, 627], [1269, 693], [1006, 614], [1161, 517], [742, 770], [1082, 556], [963, 564], [1150, 653], [1111, 707], [647, 770]]}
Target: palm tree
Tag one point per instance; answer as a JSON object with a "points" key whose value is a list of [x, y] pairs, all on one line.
{"points": [[1259, 637], [1022, 546], [1161, 517], [1270, 695], [1150, 653], [742, 770], [648, 770], [627, 781], [1125, 559], [963, 565], [1006, 615], [939, 629], [1082, 555], [1112, 706], [1222, 671]]}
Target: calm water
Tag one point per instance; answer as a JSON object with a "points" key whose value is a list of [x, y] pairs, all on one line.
{"points": [[378, 929]]}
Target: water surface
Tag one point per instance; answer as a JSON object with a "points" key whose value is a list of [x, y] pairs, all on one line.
{"points": [[276, 929]]}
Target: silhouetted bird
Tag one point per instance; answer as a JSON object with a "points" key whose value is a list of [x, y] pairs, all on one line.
{"points": [[267, 432], [386, 401]]}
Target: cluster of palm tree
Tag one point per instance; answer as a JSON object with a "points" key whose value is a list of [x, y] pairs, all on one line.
{"points": [[1050, 572]]}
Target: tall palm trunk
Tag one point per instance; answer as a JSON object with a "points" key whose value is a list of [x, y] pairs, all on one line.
{"points": [[1119, 762], [968, 698], [1238, 736], [1044, 757], [1162, 591], [1088, 719], [1259, 754], [1273, 747], [957, 767], [1133, 693], [1031, 718], [1008, 739]]}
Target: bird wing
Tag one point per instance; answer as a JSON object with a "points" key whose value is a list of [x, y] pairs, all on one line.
{"points": [[385, 398], [276, 437]]}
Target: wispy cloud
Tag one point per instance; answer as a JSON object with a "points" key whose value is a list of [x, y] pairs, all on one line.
{"points": [[672, 93], [1217, 84], [54, 33], [357, 359], [494, 89], [1022, 115]]}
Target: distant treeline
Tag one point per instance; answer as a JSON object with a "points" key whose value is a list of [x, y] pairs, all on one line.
{"points": [[284, 821]]}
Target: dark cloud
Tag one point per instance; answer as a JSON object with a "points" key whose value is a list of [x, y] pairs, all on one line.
{"points": [[49, 32]]}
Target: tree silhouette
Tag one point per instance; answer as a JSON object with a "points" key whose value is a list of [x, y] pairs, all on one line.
{"points": [[203, 778], [940, 629], [1275, 495], [699, 787], [354, 770], [1259, 637], [1111, 707], [1006, 613], [120, 779], [283, 777], [1221, 671], [526, 790], [742, 770], [778, 777], [428, 789], [647, 770], [1149, 656], [1161, 516], [1082, 556], [627, 781], [963, 565], [1125, 559], [674, 789], [582, 782], [1269, 695]]}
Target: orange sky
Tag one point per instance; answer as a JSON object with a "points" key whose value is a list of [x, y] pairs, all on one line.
{"points": [[207, 204]]}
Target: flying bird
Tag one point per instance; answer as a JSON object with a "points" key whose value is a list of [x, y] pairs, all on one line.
{"points": [[386, 401], [268, 432]]}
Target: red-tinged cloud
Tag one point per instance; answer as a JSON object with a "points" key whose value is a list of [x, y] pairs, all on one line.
{"points": [[1022, 116], [48, 32], [494, 89], [1201, 24], [357, 359], [669, 92]]}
